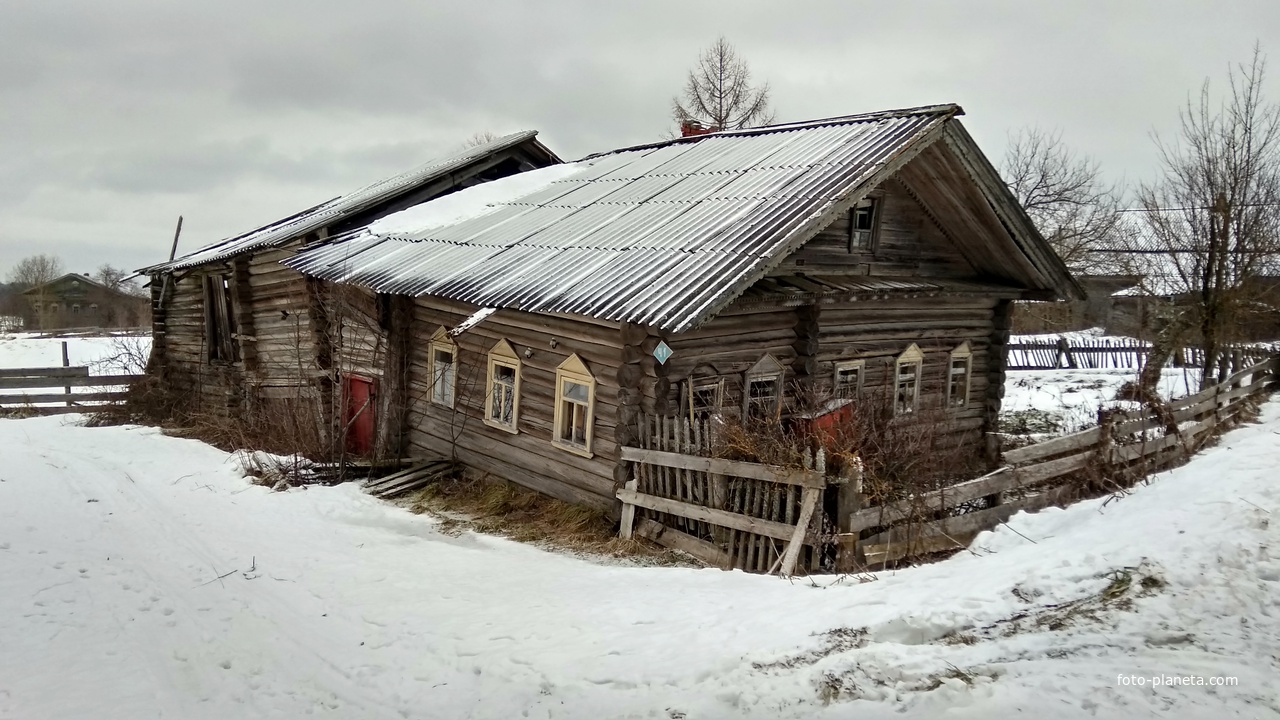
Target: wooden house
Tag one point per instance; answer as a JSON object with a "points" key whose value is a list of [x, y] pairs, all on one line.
{"points": [[79, 301], [537, 320], [236, 332]]}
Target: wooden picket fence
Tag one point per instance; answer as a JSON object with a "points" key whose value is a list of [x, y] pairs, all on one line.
{"points": [[728, 513], [1115, 353], [1051, 472], [114, 389]]}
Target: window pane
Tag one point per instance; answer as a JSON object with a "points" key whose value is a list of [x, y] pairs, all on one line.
{"points": [[504, 374], [508, 405], [579, 425], [576, 391]]}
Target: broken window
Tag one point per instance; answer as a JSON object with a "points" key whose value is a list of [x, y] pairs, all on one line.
{"points": [[703, 397], [575, 407], [906, 396], [863, 224], [762, 390], [958, 376], [219, 322], [847, 383], [503, 408], [442, 354]]}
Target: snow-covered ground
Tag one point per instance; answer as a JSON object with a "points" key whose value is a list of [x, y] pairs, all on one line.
{"points": [[1068, 400], [142, 576], [103, 354]]}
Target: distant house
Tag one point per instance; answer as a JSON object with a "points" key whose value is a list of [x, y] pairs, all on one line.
{"points": [[1131, 283], [533, 327], [237, 332], [79, 301]]}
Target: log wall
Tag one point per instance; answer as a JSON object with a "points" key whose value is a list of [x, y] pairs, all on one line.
{"points": [[527, 457]]}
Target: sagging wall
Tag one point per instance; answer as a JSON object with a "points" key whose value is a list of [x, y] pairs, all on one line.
{"points": [[180, 354], [527, 457]]}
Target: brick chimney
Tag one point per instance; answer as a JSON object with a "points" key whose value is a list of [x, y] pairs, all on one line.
{"points": [[691, 128]]}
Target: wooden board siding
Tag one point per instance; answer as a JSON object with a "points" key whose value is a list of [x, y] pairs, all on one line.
{"points": [[528, 457], [909, 243], [211, 386], [730, 344], [281, 341]]}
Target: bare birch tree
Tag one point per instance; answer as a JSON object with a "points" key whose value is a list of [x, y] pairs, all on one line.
{"points": [[1064, 194], [719, 95], [1214, 214]]}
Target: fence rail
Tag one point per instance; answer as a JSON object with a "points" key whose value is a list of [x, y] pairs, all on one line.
{"points": [[1044, 474], [64, 379]]}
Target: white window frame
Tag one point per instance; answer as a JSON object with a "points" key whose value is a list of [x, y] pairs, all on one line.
{"points": [[444, 394], [963, 352], [910, 356], [766, 369], [574, 370], [503, 355], [837, 389]]}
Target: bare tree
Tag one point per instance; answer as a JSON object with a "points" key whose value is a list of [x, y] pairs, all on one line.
{"points": [[718, 93], [1214, 214], [35, 270], [116, 279], [1063, 193], [480, 138]]}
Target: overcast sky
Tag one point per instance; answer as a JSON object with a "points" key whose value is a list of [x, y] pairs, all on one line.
{"points": [[116, 117]]}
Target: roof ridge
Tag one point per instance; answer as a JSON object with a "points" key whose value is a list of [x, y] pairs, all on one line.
{"points": [[947, 109]]}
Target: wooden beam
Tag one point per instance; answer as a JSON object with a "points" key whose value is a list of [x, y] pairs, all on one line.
{"points": [[58, 372], [808, 502], [720, 466], [20, 383], [699, 549], [768, 528]]}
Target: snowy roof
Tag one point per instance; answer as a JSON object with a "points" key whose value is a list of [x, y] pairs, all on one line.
{"points": [[326, 213], [661, 234]]}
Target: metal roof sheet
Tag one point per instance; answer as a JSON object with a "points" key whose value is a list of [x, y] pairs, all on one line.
{"points": [[326, 213], [659, 235]]}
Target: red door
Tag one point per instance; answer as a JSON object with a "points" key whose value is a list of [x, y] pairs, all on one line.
{"points": [[359, 405]]}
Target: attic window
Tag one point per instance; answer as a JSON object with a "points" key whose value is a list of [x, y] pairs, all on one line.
{"points": [[864, 221], [219, 323], [958, 375], [906, 396], [442, 358]]}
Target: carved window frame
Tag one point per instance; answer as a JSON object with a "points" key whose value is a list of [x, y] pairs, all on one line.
{"points": [[502, 355]]}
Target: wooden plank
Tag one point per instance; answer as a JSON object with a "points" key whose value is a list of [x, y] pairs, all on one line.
{"points": [[1066, 443], [49, 372], [62, 397], [627, 524], [667, 537], [808, 503], [22, 383], [720, 466], [745, 523]]}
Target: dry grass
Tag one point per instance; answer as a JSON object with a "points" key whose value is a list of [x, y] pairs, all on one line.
{"points": [[506, 509]]}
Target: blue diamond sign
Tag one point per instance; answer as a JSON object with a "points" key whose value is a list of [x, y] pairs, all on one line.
{"points": [[662, 352]]}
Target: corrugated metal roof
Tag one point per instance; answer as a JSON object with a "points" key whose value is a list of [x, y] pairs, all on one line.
{"points": [[326, 213], [657, 235]]}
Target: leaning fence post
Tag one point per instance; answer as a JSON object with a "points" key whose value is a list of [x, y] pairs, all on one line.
{"points": [[628, 515]]}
